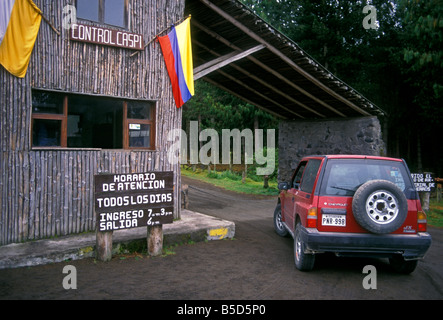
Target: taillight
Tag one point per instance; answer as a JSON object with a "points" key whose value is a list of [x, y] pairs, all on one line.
{"points": [[312, 218], [421, 221]]}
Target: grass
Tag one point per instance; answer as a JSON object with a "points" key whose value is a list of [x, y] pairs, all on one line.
{"points": [[232, 181], [435, 214]]}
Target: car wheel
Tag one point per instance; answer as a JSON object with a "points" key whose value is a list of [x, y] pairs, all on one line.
{"points": [[379, 206], [400, 265], [278, 223], [303, 261]]}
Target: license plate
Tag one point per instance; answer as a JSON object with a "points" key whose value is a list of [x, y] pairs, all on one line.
{"points": [[337, 220]]}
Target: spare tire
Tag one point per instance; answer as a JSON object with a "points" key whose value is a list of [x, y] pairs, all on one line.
{"points": [[380, 206]]}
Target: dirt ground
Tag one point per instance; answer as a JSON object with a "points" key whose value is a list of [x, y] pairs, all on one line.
{"points": [[257, 264]]}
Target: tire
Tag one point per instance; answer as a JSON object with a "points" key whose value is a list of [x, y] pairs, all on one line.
{"points": [[278, 223], [379, 206], [303, 261], [400, 265]]}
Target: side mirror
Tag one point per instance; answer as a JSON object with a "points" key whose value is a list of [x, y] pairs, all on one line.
{"points": [[283, 186]]}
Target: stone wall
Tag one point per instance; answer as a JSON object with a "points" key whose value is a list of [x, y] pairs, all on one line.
{"points": [[317, 137]]}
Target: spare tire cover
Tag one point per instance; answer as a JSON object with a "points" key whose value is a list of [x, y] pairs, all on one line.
{"points": [[380, 206]]}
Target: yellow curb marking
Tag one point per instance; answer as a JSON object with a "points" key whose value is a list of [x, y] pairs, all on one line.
{"points": [[218, 233]]}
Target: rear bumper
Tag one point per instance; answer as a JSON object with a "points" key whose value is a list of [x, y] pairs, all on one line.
{"points": [[411, 246]]}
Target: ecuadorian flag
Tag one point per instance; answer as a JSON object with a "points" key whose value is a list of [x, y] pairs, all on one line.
{"points": [[177, 52], [19, 25]]}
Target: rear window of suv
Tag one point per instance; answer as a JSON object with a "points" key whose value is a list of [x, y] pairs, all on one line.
{"points": [[344, 176]]}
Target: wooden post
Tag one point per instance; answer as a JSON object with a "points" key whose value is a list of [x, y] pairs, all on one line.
{"points": [[424, 198], [439, 187], [155, 240], [185, 198], [104, 245], [103, 240], [266, 181]]}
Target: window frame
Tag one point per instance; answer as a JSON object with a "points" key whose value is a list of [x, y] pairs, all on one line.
{"points": [[101, 14], [126, 121], [298, 174], [310, 175], [63, 118]]}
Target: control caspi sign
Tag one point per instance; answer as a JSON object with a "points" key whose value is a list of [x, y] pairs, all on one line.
{"points": [[124, 201], [105, 36]]}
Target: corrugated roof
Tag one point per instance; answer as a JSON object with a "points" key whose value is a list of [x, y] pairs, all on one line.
{"points": [[239, 52]]}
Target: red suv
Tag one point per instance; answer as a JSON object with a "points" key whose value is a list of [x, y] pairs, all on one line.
{"points": [[353, 206]]}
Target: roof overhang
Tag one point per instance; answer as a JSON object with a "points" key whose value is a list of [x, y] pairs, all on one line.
{"points": [[239, 52]]}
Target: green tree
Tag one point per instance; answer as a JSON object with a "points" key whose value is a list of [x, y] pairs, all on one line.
{"points": [[398, 65], [423, 25], [217, 109]]}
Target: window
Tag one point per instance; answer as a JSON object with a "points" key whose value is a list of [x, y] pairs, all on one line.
{"points": [[113, 12], [309, 175], [297, 178], [94, 122], [346, 176], [49, 116], [80, 121], [139, 125]]}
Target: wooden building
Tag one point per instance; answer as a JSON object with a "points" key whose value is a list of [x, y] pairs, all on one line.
{"points": [[89, 108], [83, 109]]}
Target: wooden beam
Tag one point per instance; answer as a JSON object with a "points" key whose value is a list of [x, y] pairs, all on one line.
{"points": [[277, 115], [213, 34], [270, 86], [287, 60], [297, 87], [222, 61], [262, 65], [264, 83], [213, 62], [259, 93]]}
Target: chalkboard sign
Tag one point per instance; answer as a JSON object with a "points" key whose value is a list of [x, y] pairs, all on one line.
{"points": [[424, 182], [132, 200]]}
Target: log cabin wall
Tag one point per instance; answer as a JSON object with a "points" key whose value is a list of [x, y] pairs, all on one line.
{"points": [[49, 192]]}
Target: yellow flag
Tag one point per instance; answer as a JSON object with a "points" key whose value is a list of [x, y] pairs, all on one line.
{"points": [[19, 25]]}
